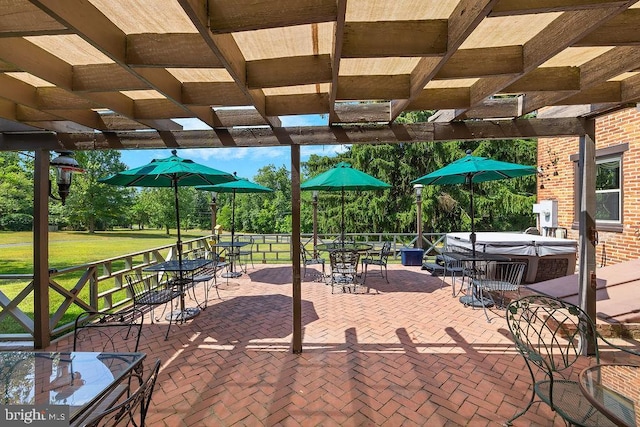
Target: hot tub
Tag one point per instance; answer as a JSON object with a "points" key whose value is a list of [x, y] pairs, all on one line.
{"points": [[547, 257]]}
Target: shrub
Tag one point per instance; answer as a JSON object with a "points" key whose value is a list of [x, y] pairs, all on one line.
{"points": [[17, 222]]}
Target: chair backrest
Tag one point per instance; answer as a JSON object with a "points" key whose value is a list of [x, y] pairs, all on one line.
{"points": [[341, 259], [108, 332], [549, 332], [507, 271], [385, 251], [124, 413]]}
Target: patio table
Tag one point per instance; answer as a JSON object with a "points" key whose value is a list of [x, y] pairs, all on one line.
{"points": [[62, 384], [614, 389], [185, 266], [336, 246], [227, 247]]}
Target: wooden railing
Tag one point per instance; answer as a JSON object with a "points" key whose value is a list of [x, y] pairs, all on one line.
{"points": [[101, 285]]}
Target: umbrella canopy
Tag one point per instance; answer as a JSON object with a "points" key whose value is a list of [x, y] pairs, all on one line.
{"points": [[478, 169], [343, 177], [172, 172], [471, 169], [241, 185]]}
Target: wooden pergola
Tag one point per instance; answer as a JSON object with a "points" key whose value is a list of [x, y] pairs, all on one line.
{"points": [[120, 74]]}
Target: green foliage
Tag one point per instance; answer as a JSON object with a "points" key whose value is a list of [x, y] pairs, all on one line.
{"points": [[16, 222], [16, 190], [92, 205]]}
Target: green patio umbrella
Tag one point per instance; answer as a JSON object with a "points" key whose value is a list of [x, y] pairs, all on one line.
{"points": [[469, 170], [241, 185], [171, 172], [342, 177]]}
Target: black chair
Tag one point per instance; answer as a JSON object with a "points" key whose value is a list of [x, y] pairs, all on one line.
{"points": [[380, 260], [245, 253], [133, 410], [344, 270], [208, 274], [144, 294], [309, 259], [548, 333], [108, 332]]}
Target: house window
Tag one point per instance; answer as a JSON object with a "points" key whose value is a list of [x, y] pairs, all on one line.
{"points": [[608, 190], [609, 195]]}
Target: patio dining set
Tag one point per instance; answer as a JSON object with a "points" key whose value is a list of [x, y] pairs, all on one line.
{"points": [[349, 263]]}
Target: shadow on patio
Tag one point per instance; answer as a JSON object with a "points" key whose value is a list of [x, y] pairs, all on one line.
{"points": [[410, 355]]}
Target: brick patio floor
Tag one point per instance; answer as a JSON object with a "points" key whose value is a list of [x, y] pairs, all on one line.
{"points": [[407, 353]]}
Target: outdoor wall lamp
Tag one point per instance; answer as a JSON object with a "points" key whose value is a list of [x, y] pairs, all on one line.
{"points": [[65, 166]]}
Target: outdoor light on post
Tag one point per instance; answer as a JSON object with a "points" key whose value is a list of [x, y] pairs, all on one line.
{"points": [[65, 166], [214, 212], [418, 189], [314, 199]]}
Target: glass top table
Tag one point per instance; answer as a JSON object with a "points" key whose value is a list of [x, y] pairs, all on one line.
{"points": [[338, 246], [79, 380], [614, 389], [230, 248]]}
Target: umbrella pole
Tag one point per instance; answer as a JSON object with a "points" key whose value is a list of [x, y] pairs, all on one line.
{"points": [[174, 182], [473, 220], [182, 313], [342, 223]]}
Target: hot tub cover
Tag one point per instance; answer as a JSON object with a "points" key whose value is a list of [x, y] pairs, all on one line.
{"points": [[513, 243]]}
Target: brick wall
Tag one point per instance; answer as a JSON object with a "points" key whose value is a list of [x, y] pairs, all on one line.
{"points": [[557, 183]]}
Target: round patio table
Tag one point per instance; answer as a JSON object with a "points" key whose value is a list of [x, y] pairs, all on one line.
{"points": [[328, 247]]}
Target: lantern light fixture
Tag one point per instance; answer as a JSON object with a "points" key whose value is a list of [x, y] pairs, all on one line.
{"points": [[65, 166]]}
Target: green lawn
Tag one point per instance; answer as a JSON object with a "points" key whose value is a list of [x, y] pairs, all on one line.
{"points": [[67, 249]]}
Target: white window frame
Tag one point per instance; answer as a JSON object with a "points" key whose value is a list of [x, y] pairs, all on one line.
{"points": [[608, 159]]}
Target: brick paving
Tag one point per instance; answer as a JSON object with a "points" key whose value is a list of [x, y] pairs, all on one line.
{"points": [[405, 354]]}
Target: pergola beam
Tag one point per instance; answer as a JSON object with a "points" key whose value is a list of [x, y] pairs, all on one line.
{"points": [[311, 135]]}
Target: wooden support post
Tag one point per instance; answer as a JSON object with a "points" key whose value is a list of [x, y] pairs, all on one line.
{"points": [[587, 225], [42, 330], [295, 243]]}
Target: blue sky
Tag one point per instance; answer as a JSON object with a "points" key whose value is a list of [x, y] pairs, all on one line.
{"points": [[245, 161]]}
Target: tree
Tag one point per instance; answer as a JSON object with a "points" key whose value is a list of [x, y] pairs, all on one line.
{"points": [[93, 205], [16, 190]]}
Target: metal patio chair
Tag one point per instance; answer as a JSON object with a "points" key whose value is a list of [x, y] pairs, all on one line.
{"points": [[500, 277], [379, 260], [344, 270], [133, 410], [308, 259], [145, 294], [549, 333]]}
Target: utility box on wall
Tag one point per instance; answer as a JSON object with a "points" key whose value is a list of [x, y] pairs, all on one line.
{"points": [[547, 211]]}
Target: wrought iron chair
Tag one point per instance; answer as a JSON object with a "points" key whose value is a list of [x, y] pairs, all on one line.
{"points": [[208, 274], [108, 332], [380, 260], [550, 334], [245, 253], [309, 259], [133, 410], [145, 294], [500, 277], [344, 269]]}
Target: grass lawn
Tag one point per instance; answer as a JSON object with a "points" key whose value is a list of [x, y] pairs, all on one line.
{"points": [[67, 249]]}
